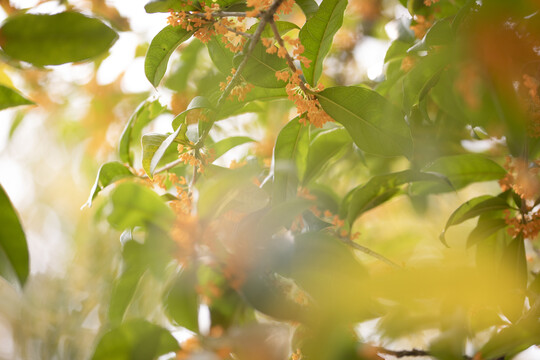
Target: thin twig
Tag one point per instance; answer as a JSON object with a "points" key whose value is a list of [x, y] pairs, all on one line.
{"points": [[370, 252], [219, 14], [413, 352], [249, 36]]}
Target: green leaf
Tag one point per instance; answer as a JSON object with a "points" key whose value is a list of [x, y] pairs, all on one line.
{"points": [[473, 208], [323, 147], [290, 154], [261, 67], [181, 300], [440, 33], [380, 189], [11, 98], [461, 170], [374, 124], [136, 205], [220, 55], [256, 94], [221, 147], [198, 102], [309, 7], [161, 49], [282, 26], [107, 174], [317, 34], [164, 6], [178, 79], [55, 39], [282, 215], [145, 112], [486, 227], [14, 258], [155, 147], [135, 339]]}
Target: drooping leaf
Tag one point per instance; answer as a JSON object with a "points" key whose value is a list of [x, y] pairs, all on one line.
{"points": [[381, 188], [55, 39], [261, 67], [317, 34], [221, 147], [135, 339], [323, 147], [486, 227], [161, 49], [14, 258], [107, 174], [290, 154], [135, 205], [309, 7], [181, 300], [145, 112], [374, 124], [461, 170], [474, 207], [11, 98]]}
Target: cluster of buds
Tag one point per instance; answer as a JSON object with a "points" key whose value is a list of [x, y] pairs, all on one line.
{"points": [[198, 158], [239, 91], [521, 178], [261, 5]]}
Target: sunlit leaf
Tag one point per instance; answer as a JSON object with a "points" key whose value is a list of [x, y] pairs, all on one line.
{"points": [[107, 174], [309, 7], [374, 124], [164, 6], [135, 339], [145, 112], [317, 34], [55, 39], [161, 49], [198, 102], [156, 146], [10, 98], [282, 26], [135, 205], [222, 146], [14, 258]]}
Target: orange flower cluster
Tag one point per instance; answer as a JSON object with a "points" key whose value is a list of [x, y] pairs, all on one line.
{"points": [[421, 27], [521, 178], [430, 2], [197, 158], [297, 355], [306, 103], [262, 5], [239, 91], [205, 25], [528, 225]]}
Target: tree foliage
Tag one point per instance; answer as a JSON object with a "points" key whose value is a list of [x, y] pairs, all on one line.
{"points": [[249, 251]]}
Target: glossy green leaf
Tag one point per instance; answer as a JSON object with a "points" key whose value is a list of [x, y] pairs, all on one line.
{"points": [[221, 147], [55, 39], [317, 34], [14, 258], [374, 124], [161, 49], [107, 174], [261, 67], [181, 300], [11, 98], [145, 112], [380, 189], [290, 154], [461, 170], [136, 205], [323, 148], [309, 7], [135, 339]]}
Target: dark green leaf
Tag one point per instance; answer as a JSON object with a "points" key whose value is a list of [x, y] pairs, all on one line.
{"points": [[374, 124], [261, 67], [107, 174], [309, 7], [323, 147], [14, 262], [161, 49], [317, 35], [290, 154], [461, 170], [486, 227], [145, 112], [181, 300], [136, 205], [55, 39], [136, 339], [10, 98], [221, 147]]}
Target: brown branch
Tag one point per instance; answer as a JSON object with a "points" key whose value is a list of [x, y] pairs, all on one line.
{"points": [[404, 353]]}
